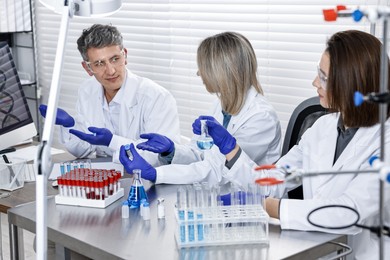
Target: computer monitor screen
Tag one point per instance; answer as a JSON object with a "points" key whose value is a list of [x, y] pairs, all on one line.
{"points": [[16, 123]]}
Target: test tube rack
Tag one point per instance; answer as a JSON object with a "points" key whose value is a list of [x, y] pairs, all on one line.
{"points": [[96, 188], [221, 225], [88, 202]]}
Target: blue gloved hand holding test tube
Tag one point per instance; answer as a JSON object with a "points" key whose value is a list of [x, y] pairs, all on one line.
{"points": [[148, 172]]}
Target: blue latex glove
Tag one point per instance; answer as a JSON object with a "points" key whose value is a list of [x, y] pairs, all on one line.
{"points": [[221, 137], [156, 143], [227, 199], [62, 118], [148, 172], [101, 136]]}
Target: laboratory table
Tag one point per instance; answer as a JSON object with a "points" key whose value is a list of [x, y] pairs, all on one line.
{"points": [[103, 234], [23, 195], [18, 197]]}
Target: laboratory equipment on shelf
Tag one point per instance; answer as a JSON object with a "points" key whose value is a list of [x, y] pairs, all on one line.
{"points": [[204, 142], [137, 191]]}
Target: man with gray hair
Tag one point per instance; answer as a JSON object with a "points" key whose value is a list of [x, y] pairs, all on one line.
{"points": [[114, 106]]}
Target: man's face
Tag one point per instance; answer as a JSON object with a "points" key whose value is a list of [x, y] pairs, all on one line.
{"points": [[108, 65]]}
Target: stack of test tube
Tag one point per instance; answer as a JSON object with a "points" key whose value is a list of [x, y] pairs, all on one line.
{"points": [[95, 184], [78, 184], [203, 220]]}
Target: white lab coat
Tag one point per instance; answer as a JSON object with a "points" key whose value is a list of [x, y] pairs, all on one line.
{"points": [[146, 107], [256, 128], [315, 152]]}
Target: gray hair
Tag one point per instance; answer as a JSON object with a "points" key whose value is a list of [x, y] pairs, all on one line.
{"points": [[98, 36]]}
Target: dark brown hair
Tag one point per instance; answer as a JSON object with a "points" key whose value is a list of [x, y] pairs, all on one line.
{"points": [[354, 66]]}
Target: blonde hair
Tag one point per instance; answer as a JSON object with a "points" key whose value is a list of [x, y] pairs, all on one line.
{"points": [[228, 67]]}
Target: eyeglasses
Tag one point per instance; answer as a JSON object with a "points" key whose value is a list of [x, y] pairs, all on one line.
{"points": [[99, 66], [322, 77]]}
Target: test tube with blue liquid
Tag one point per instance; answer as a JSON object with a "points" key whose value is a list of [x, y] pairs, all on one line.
{"points": [[204, 142], [81, 164], [207, 204], [190, 213], [137, 190], [181, 206], [68, 166], [62, 168], [75, 165], [88, 164], [199, 211]]}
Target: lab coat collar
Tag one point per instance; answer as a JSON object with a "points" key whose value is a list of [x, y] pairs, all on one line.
{"points": [[117, 98], [119, 95], [363, 139], [130, 86]]}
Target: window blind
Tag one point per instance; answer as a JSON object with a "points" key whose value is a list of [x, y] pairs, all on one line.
{"points": [[15, 16], [162, 37]]}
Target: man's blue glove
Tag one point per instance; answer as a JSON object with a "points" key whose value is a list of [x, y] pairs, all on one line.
{"points": [[148, 172], [156, 143], [62, 118], [101, 136], [221, 137]]}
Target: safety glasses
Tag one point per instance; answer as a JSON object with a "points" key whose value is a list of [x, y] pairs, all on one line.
{"points": [[100, 66], [322, 77]]}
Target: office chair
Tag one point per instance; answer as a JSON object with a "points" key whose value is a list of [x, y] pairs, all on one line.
{"points": [[302, 118]]}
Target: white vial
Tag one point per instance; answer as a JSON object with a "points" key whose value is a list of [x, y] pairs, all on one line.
{"points": [[125, 209], [160, 208], [141, 208], [146, 211]]}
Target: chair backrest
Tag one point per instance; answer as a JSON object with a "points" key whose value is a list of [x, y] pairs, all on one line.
{"points": [[302, 118]]}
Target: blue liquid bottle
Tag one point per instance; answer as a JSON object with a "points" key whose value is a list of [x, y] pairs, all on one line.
{"points": [[205, 142], [137, 191]]}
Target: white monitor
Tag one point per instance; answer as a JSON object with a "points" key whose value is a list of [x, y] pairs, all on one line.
{"points": [[16, 123]]}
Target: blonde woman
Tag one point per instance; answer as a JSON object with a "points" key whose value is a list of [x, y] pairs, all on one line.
{"points": [[228, 67]]}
